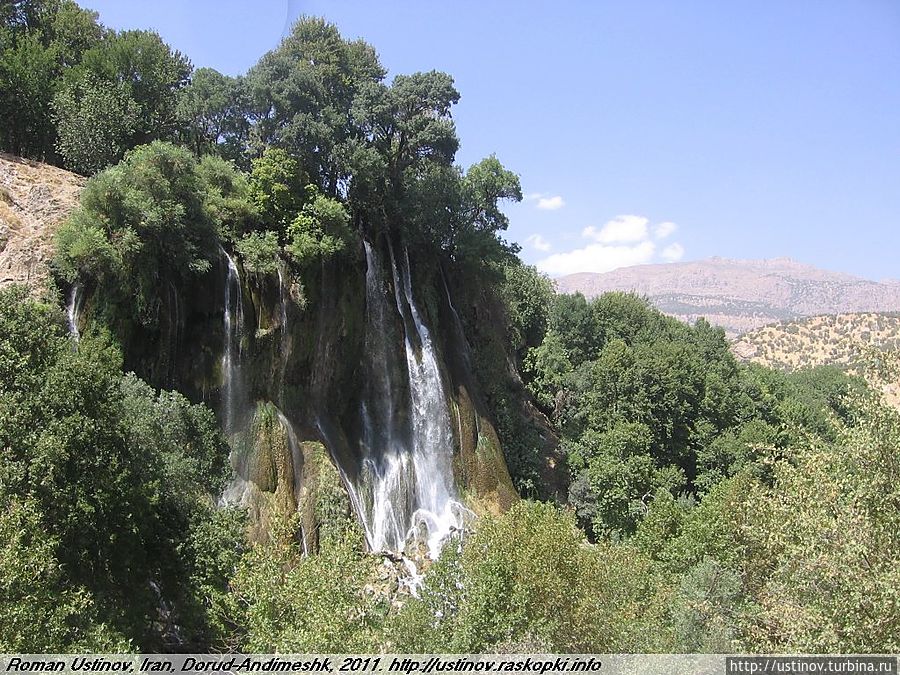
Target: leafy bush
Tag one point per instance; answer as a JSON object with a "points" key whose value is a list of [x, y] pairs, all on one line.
{"points": [[259, 251], [529, 579], [148, 222]]}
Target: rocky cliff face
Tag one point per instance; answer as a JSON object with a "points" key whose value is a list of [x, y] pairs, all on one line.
{"points": [[34, 199]]}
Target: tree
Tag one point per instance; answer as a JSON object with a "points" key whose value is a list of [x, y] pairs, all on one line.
{"points": [[277, 188], [150, 221], [96, 122], [286, 602], [483, 187], [150, 72], [303, 92], [27, 83], [107, 488], [214, 110], [527, 581], [40, 40], [409, 125], [320, 230]]}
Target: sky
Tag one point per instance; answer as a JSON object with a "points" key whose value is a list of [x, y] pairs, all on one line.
{"points": [[643, 131]]}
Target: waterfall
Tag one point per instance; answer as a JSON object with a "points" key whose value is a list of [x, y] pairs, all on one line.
{"points": [[73, 309], [438, 511], [405, 486], [234, 322], [285, 333]]}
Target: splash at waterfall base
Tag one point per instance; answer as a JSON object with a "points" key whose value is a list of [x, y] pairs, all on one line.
{"points": [[407, 458]]}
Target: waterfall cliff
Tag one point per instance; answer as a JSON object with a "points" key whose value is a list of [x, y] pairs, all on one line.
{"points": [[361, 365], [405, 489]]}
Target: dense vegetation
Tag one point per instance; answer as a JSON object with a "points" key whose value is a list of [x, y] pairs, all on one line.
{"points": [[694, 505]]}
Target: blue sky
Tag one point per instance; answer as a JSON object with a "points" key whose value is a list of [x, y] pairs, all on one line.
{"points": [[740, 129]]}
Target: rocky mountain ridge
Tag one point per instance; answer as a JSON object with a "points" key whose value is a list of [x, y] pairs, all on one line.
{"points": [[741, 295]]}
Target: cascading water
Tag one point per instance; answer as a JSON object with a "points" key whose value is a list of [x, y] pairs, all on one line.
{"points": [[234, 322], [438, 510], [74, 309], [285, 333], [405, 485], [239, 491]]}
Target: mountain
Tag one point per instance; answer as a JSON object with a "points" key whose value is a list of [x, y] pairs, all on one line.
{"points": [[741, 295]]}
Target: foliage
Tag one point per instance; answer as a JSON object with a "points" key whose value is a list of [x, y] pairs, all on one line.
{"points": [[27, 84], [70, 86], [645, 402], [320, 230], [828, 569], [259, 251], [277, 188], [303, 92], [95, 120], [149, 222], [214, 111], [294, 604], [107, 487], [527, 295], [150, 72], [528, 578]]}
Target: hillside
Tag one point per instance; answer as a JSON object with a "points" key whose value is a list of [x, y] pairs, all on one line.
{"points": [[34, 199], [842, 340], [741, 295]]}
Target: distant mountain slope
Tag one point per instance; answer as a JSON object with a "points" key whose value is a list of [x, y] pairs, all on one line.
{"points": [[34, 199], [841, 340], [741, 295]]}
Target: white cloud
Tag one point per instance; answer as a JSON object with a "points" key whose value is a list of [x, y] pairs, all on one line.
{"points": [[619, 230], [551, 203], [623, 241], [597, 258], [672, 252], [664, 229], [538, 243], [546, 202]]}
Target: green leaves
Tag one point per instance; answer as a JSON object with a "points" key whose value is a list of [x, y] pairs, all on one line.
{"points": [[215, 110], [319, 231], [106, 486], [96, 121], [528, 582], [303, 92], [150, 221]]}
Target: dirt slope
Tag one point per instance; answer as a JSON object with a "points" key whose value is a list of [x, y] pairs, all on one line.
{"points": [[34, 199]]}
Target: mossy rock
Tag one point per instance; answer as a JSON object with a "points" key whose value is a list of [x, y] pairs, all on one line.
{"points": [[480, 466], [323, 502]]}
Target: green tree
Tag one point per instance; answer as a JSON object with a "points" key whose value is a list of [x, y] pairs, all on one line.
{"points": [[214, 110], [28, 71], [150, 221], [528, 581], [287, 602], [320, 230], [150, 72], [303, 92], [96, 121], [40, 40]]}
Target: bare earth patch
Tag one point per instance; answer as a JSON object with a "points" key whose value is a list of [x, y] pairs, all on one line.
{"points": [[35, 199]]}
